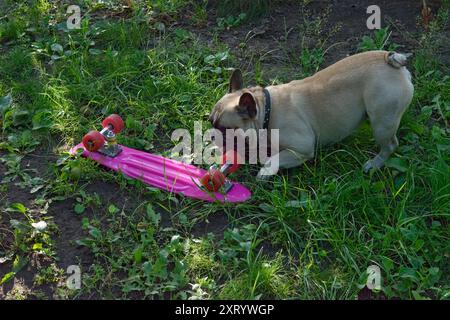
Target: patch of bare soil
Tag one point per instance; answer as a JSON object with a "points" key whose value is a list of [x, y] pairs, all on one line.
{"points": [[277, 39], [216, 224], [23, 285]]}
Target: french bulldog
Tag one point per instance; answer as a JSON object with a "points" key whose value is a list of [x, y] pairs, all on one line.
{"points": [[324, 108]]}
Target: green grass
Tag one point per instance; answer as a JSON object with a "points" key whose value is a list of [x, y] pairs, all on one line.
{"points": [[308, 233]]}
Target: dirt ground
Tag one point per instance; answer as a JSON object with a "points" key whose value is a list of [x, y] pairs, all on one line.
{"points": [[276, 38], [282, 29]]}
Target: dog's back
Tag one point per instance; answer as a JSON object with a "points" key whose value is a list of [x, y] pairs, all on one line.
{"points": [[340, 96]]}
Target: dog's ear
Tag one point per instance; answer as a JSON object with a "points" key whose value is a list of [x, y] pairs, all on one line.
{"points": [[236, 82], [247, 106]]}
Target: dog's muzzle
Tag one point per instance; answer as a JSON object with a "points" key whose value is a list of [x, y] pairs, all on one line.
{"points": [[215, 123]]}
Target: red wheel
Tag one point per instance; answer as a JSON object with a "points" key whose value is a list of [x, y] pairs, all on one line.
{"points": [[232, 157], [93, 141], [115, 122], [213, 180]]}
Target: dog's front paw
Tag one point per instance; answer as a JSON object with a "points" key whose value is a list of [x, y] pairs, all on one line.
{"points": [[262, 177], [375, 163], [265, 173]]}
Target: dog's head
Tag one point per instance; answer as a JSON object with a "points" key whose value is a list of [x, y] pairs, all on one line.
{"points": [[238, 108]]}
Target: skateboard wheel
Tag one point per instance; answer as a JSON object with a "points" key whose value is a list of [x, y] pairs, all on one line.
{"points": [[213, 180], [93, 141], [115, 122], [231, 154]]}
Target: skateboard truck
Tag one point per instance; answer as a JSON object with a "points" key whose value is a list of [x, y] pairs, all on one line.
{"points": [[215, 178], [105, 141], [110, 148]]}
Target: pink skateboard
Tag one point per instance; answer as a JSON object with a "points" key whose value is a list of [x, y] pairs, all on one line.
{"points": [[157, 171]]}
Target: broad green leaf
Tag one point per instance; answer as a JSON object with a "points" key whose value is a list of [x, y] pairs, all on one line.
{"points": [[42, 120], [37, 188], [85, 223], [437, 132], [20, 117], [5, 103], [113, 209], [56, 47], [417, 295], [138, 255], [15, 223], [18, 207], [95, 52], [182, 33], [96, 233], [79, 208], [19, 263], [37, 246], [387, 263], [433, 271], [398, 164], [153, 216], [147, 268], [7, 277], [160, 26]]}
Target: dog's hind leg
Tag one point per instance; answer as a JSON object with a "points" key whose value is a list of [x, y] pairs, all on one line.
{"points": [[385, 107], [388, 146], [384, 127]]}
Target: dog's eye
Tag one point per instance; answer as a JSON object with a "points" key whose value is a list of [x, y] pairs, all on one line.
{"points": [[241, 112]]}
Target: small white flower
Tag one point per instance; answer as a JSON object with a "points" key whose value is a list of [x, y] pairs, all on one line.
{"points": [[40, 226]]}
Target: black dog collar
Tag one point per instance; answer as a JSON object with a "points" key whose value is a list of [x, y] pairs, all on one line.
{"points": [[267, 108]]}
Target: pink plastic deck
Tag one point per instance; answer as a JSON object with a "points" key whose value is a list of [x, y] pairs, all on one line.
{"points": [[163, 173]]}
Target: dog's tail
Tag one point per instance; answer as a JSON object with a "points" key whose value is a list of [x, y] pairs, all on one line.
{"points": [[396, 60]]}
